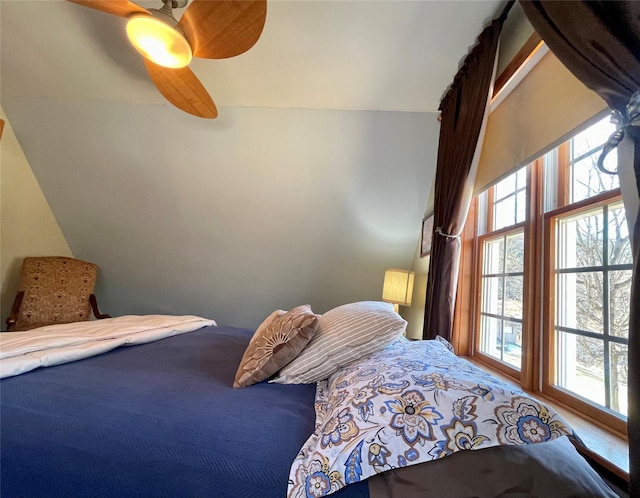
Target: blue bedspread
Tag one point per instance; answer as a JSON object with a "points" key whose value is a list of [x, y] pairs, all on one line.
{"points": [[156, 420]]}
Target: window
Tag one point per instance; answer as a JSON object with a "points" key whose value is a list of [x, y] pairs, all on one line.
{"points": [[554, 278], [592, 272], [502, 253]]}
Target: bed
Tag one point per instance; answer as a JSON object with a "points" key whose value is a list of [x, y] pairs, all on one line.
{"points": [[161, 418]]}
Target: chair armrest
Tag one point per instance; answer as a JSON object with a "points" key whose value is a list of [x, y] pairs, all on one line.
{"points": [[94, 307], [13, 317]]}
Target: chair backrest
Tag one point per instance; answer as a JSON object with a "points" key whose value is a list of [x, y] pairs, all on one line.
{"points": [[56, 290]]}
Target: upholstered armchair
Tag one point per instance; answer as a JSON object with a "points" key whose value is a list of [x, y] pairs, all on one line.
{"points": [[54, 290]]}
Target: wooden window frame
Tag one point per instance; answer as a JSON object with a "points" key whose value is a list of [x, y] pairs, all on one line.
{"points": [[495, 363], [532, 292], [538, 316], [463, 322], [524, 375], [526, 52], [606, 445], [593, 411]]}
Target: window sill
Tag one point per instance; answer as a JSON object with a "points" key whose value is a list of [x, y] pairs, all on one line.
{"points": [[607, 448]]}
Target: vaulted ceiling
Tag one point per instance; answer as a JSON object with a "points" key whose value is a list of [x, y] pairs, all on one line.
{"points": [[313, 54], [312, 180]]}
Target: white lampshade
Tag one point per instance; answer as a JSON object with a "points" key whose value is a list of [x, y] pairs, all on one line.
{"points": [[398, 287]]}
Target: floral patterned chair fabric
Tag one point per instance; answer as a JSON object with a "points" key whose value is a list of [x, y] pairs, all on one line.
{"points": [[54, 290]]}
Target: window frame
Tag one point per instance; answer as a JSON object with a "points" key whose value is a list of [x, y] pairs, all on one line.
{"points": [[490, 235], [591, 409], [526, 376], [538, 317]]}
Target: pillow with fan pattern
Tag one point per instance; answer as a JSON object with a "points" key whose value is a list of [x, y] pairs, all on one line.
{"points": [[276, 342]]}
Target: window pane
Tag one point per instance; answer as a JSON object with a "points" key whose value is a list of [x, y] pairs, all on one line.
{"points": [[501, 296], [580, 366], [505, 187], [512, 332], [550, 187], [483, 203], [579, 301], [493, 257], [491, 336], [565, 301], [492, 295], [521, 178], [588, 180], [513, 297], [515, 252], [501, 340], [619, 245], [589, 301], [592, 137], [619, 302], [619, 377], [521, 206], [504, 213], [580, 240]]}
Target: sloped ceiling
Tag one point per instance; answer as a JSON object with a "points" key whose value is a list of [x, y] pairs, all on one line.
{"points": [[312, 181], [324, 54]]}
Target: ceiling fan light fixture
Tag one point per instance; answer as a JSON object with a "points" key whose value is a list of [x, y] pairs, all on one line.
{"points": [[159, 42]]}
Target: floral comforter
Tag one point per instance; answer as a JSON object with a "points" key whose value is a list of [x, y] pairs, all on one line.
{"points": [[410, 403]]}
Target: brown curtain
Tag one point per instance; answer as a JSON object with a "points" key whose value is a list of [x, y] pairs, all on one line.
{"points": [[462, 110], [599, 42]]}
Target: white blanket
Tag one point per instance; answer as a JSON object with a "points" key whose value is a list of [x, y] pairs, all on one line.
{"points": [[57, 344]]}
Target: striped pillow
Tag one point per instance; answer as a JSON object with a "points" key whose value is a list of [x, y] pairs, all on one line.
{"points": [[344, 334]]}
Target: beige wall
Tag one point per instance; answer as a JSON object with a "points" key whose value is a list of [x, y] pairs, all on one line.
{"points": [[27, 225], [516, 31], [420, 266], [414, 314]]}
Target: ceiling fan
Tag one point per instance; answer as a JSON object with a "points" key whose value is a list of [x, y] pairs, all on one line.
{"points": [[210, 29]]}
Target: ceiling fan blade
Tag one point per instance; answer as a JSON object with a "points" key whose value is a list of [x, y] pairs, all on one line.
{"points": [[183, 89], [122, 8], [218, 29]]}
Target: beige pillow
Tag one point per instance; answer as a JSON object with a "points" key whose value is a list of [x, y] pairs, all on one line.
{"points": [[345, 334], [275, 343]]}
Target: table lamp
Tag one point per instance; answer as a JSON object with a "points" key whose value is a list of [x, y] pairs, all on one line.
{"points": [[398, 287]]}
